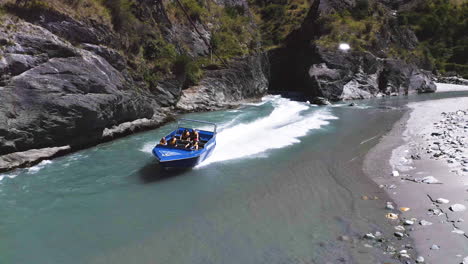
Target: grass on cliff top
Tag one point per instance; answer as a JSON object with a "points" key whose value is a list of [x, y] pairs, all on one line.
{"points": [[78, 9]]}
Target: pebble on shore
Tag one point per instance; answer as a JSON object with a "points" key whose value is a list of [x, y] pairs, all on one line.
{"points": [[442, 201], [458, 208], [425, 223], [447, 141], [435, 247]]}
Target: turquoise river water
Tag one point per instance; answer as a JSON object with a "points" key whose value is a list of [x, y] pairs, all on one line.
{"points": [[284, 181]]}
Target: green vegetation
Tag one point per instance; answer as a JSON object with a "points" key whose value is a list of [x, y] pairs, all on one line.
{"points": [[278, 18], [442, 26], [160, 52], [359, 27], [363, 28], [234, 36], [121, 12], [184, 65], [194, 9]]}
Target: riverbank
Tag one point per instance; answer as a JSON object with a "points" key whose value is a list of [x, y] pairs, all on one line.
{"points": [[422, 163]]}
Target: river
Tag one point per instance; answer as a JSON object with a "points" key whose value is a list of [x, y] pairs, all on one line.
{"points": [[284, 182]]}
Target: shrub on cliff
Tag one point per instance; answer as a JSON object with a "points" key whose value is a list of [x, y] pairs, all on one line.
{"points": [[122, 16], [361, 10], [442, 26], [184, 65], [234, 35], [194, 9]]}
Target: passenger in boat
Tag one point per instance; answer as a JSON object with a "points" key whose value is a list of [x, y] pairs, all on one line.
{"points": [[173, 141], [192, 146], [195, 137], [185, 135], [163, 141]]}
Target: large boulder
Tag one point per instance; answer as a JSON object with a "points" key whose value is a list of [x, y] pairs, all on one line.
{"points": [[243, 79], [398, 77], [358, 75], [61, 95]]}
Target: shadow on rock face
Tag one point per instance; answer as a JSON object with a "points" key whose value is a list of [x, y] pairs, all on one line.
{"points": [[153, 172]]}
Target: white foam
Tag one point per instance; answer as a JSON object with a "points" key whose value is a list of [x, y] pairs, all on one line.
{"points": [[346, 105], [283, 127], [38, 167], [9, 175], [148, 147]]}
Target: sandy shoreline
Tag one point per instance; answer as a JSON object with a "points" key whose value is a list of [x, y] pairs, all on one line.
{"points": [[430, 140], [447, 87]]}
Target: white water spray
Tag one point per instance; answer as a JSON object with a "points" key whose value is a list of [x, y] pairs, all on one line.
{"points": [[283, 127], [289, 121]]}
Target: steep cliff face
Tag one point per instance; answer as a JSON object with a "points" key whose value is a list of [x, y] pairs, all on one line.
{"points": [[245, 79], [74, 73], [67, 81], [312, 62]]}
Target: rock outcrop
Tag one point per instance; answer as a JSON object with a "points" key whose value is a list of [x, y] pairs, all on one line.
{"points": [[55, 94], [63, 82], [316, 71], [244, 79], [67, 81], [30, 157]]}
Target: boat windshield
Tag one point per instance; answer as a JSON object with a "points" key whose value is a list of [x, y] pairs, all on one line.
{"points": [[197, 125]]}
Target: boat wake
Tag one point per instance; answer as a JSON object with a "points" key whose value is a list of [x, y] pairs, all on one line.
{"points": [[282, 127], [289, 121]]}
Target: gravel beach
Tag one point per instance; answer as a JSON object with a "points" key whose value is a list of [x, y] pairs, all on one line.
{"points": [[422, 163]]}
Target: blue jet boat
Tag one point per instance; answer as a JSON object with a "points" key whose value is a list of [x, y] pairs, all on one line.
{"points": [[180, 156]]}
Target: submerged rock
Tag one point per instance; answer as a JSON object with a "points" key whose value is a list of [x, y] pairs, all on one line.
{"points": [[30, 157]]}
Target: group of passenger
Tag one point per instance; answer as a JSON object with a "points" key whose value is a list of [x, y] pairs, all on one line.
{"points": [[190, 139]]}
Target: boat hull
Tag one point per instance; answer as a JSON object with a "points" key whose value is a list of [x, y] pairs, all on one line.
{"points": [[185, 162], [182, 163]]}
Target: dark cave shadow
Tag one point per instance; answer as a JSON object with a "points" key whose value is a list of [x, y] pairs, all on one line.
{"points": [[153, 172]]}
